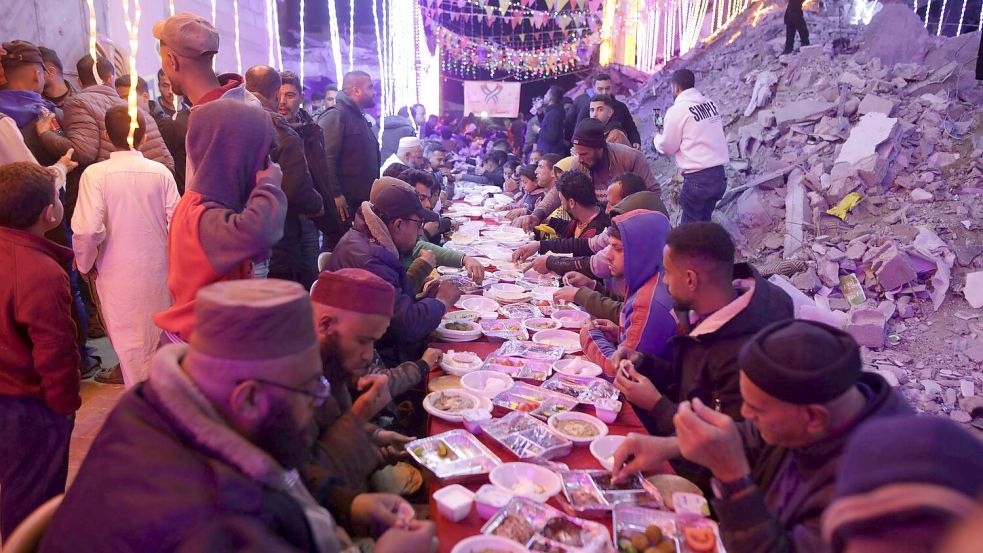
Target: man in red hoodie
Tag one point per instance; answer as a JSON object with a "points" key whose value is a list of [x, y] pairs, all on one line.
{"points": [[39, 358]]}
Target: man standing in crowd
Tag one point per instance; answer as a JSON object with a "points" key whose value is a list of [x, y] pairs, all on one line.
{"points": [[290, 260], [383, 231], [549, 130], [221, 424], [122, 86], [57, 88], [328, 223], [120, 241], [795, 22], [409, 152], [39, 357], [168, 102], [350, 145], [172, 128], [603, 86], [720, 305], [85, 120], [694, 133], [394, 129], [804, 395], [602, 108], [602, 161]]}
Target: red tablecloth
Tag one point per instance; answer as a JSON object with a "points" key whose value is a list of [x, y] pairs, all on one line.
{"points": [[580, 458]]}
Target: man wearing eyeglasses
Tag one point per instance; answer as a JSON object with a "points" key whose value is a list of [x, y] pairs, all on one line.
{"points": [[206, 448], [383, 232]]}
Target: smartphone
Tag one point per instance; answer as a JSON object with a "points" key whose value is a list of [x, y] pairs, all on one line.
{"points": [[657, 116]]}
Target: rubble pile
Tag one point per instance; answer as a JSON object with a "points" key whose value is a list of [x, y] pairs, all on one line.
{"points": [[856, 181]]}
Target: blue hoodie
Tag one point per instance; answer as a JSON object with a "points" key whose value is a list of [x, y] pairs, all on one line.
{"points": [[646, 318]]}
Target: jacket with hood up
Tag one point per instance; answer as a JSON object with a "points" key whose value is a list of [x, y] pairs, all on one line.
{"points": [[369, 246], [394, 127], [646, 322], [704, 355], [225, 219]]}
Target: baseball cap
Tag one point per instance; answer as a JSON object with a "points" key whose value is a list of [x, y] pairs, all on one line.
{"points": [[401, 202], [187, 34], [20, 52]]}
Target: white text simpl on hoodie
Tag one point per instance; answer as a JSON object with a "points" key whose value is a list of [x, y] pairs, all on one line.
{"points": [[693, 132]]}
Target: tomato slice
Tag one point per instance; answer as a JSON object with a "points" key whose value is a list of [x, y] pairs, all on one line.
{"points": [[701, 539]]}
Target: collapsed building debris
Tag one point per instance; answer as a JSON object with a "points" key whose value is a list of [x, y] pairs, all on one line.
{"points": [[860, 158]]}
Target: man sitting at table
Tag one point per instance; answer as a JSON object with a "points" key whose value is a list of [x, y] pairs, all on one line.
{"points": [[720, 305], [349, 449], [577, 198], [774, 473], [383, 231], [645, 322], [203, 453]]}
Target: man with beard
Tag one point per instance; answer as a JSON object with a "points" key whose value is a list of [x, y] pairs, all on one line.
{"points": [[349, 449], [384, 231], [350, 144], [205, 451]]}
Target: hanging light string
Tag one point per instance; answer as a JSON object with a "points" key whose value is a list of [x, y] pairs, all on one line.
{"points": [[379, 54], [276, 34], [302, 6], [133, 31], [93, 38], [267, 12], [235, 8], [335, 39], [351, 35]]}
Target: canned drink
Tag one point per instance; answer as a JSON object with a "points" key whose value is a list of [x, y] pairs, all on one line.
{"points": [[44, 112]]}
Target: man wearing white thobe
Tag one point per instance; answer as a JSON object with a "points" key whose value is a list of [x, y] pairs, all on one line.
{"points": [[120, 223]]}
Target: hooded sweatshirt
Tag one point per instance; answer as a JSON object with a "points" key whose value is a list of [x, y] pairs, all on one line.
{"points": [[394, 127], [225, 218], [646, 322], [694, 133], [704, 354]]}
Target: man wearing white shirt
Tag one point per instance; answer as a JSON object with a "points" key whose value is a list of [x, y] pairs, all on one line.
{"points": [[120, 223], [409, 153], [694, 134]]}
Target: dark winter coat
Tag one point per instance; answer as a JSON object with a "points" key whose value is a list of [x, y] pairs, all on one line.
{"points": [[351, 150], [394, 127], [550, 137]]}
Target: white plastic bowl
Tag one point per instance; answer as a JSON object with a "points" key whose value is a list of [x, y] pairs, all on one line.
{"points": [[511, 297], [454, 502], [482, 543], [462, 315], [449, 416], [603, 449], [507, 275], [473, 333], [533, 324], [571, 318], [487, 383], [544, 292], [602, 429], [481, 304], [503, 287], [526, 480], [577, 368], [569, 341], [460, 363]]}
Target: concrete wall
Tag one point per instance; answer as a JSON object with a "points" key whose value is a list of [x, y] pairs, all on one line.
{"points": [[63, 26]]}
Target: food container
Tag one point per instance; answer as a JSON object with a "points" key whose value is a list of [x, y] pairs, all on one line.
{"points": [[531, 279], [526, 436], [454, 502], [482, 305], [517, 367], [446, 382], [590, 492], [667, 485], [603, 449], [458, 331], [453, 456], [543, 528], [534, 400], [637, 526], [449, 270], [490, 499], [585, 390], [576, 367], [526, 480], [520, 311], [509, 297], [568, 340], [460, 363], [571, 318], [487, 383], [579, 428], [607, 409], [462, 315], [530, 350], [508, 276], [536, 324], [544, 292], [488, 544], [505, 287], [504, 329], [449, 404], [473, 418]]}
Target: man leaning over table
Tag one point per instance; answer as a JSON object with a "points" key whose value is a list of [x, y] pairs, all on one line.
{"points": [[774, 473]]}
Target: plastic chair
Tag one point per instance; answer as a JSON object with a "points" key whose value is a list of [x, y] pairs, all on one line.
{"points": [[27, 536]]}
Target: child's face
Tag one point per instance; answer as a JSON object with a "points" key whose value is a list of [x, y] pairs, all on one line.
{"points": [[528, 184]]}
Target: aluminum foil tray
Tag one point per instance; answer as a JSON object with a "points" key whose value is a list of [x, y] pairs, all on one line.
{"points": [[463, 455], [527, 437], [534, 400], [530, 350], [543, 528], [504, 329], [590, 492], [585, 390], [517, 367]]}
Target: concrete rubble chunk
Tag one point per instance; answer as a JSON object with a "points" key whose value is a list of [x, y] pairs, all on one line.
{"points": [[897, 35], [766, 118], [855, 82], [893, 267], [866, 154], [811, 51], [973, 290], [920, 196], [798, 112], [874, 103], [867, 326]]}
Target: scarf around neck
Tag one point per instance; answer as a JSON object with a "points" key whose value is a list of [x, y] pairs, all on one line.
{"points": [[23, 106]]}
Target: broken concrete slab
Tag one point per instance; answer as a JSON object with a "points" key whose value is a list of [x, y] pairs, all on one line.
{"points": [[798, 112], [852, 80], [873, 103], [973, 290], [920, 196], [797, 213], [897, 35], [766, 118], [866, 154], [811, 51], [867, 326], [893, 267], [866, 138]]}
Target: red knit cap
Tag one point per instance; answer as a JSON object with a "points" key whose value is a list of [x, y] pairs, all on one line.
{"points": [[355, 290]]}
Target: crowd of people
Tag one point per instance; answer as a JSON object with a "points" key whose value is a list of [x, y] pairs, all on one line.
{"points": [[261, 265]]}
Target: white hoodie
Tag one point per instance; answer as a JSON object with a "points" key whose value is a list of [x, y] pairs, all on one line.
{"points": [[693, 131]]}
